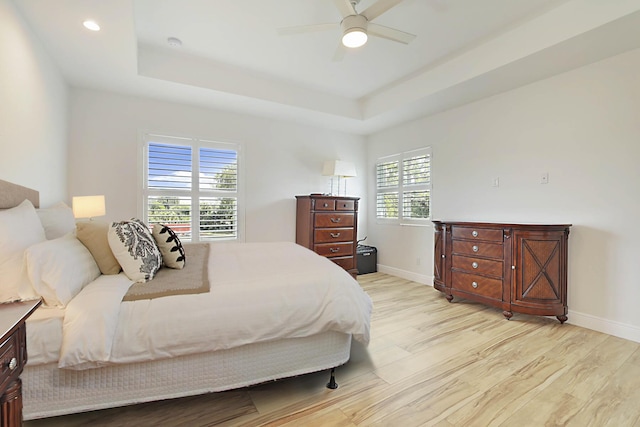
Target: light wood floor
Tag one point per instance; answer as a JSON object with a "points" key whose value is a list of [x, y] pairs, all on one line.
{"points": [[430, 363]]}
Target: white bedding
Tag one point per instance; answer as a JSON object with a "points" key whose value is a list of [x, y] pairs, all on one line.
{"points": [[259, 292], [44, 335]]}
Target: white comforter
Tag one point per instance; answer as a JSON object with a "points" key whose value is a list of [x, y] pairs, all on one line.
{"points": [[259, 292]]}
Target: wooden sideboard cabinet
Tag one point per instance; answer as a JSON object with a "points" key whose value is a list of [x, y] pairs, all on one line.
{"points": [[328, 225], [519, 268], [13, 357]]}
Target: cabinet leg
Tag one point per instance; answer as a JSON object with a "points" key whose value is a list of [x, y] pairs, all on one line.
{"points": [[449, 297], [11, 405], [507, 314], [562, 318]]}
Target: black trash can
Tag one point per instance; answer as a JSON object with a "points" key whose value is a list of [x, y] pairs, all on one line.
{"points": [[367, 259]]}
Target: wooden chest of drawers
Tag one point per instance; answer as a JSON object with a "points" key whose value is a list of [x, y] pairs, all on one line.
{"points": [[328, 225], [517, 267]]}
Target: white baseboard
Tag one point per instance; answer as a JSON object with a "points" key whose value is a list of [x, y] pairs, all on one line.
{"points": [[404, 274], [617, 329]]}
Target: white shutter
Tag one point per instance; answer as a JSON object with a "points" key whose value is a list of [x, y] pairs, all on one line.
{"points": [[403, 187], [198, 206]]}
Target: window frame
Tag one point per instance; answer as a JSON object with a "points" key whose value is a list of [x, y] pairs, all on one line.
{"points": [[195, 193], [401, 188]]}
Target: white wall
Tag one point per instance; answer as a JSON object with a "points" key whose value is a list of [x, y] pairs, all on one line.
{"points": [[33, 111], [281, 160], [583, 128]]}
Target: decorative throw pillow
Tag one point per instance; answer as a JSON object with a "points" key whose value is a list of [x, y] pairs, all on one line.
{"points": [[135, 249], [20, 228], [93, 234], [57, 220], [60, 268], [170, 246]]}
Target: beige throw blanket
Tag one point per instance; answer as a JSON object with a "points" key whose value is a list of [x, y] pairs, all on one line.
{"points": [[192, 279]]}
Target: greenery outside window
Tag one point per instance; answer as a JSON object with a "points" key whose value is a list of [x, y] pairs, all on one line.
{"points": [[192, 185], [403, 187]]}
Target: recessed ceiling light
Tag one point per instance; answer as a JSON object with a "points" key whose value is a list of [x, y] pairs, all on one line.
{"points": [[174, 42], [91, 25]]}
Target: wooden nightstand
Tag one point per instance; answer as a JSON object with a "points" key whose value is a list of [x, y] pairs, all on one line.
{"points": [[13, 357]]}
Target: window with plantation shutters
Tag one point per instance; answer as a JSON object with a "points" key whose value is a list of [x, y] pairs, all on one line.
{"points": [[387, 182], [403, 187], [191, 185]]}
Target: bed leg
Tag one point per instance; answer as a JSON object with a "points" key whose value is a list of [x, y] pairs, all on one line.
{"points": [[332, 384]]}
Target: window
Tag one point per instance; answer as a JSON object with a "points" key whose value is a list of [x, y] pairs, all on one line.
{"points": [[201, 206], [403, 187]]}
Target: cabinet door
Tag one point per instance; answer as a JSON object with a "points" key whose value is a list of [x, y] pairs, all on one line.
{"points": [[540, 260], [438, 256]]}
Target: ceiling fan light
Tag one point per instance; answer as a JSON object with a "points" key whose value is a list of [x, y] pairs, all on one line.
{"points": [[354, 37]]}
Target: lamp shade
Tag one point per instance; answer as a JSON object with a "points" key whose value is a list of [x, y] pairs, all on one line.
{"points": [[88, 206], [339, 168]]}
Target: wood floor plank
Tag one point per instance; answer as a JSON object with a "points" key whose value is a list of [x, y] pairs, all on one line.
{"points": [[429, 363]]}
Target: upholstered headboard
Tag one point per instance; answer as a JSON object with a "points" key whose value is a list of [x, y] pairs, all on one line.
{"points": [[13, 194]]}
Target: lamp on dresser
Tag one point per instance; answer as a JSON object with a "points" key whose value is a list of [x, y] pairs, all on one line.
{"points": [[339, 169]]}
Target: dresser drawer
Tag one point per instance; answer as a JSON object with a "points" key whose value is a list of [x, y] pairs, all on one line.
{"points": [[11, 362], [325, 235], [334, 249], [477, 265], [477, 285], [332, 220], [477, 249], [324, 204], [345, 205], [474, 233], [345, 262]]}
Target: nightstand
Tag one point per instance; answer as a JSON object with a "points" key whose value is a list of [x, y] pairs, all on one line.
{"points": [[13, 357]]}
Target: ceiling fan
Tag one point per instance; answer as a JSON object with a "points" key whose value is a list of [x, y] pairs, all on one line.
{"points": [[356, 27]]}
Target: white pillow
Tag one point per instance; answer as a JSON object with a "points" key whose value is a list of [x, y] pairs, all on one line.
{"points": [[135, 249], [60, 268], [57, 220], [170, 246], [20, 228]]}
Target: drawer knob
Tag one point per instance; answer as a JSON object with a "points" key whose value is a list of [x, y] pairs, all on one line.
{"points": [[474, 285], [474, 233], [474, 248], [334, 250], [13, 363], [335, 235], [474, 264], [325, 205], [335, 220]]}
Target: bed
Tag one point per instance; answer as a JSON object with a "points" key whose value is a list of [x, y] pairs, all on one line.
{"points": [[272, 310]]}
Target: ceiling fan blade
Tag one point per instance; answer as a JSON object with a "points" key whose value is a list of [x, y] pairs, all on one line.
{"points": [[378, 8], [305, 29], [345, 7], [390, 33]]}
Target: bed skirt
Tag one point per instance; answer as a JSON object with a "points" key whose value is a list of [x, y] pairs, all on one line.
{"points": [[49, 391]]}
